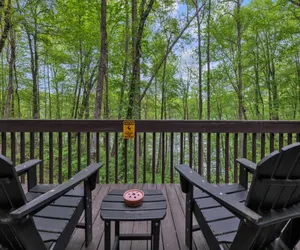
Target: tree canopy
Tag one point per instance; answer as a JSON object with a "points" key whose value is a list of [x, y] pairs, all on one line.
{"points": [[147, 59]]}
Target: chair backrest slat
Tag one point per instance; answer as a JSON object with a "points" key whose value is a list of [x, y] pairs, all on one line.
{"points": [[11, 193]]}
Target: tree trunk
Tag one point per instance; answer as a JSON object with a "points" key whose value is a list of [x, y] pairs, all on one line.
{"points": [[106, 103], [7, 24], [2, 110], [79, 65], [10, 74], [136, 54], [132, 91], [239, 59], [274, 92], [49, 92], [208, 59], [256, 72], [102, 71], [297, 104], [162, 110], [32, 42], [199, 63], [124, 78], [57, 96], [125, 62], [103, 62], [88, 85], [17, 91], [81, 83]]}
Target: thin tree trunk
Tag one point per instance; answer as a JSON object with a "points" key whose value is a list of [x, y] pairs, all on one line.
{"points": [[297, 104], [136, 53], [275, 92], [32, 41], [199, 63], [17, 90], [102, 70], [90, 85], [125, 62], [106, 109], [269, 78], [132, 91], [239, 57], [2, 88], [79, 65], [81, 83], [124, 78], [7, 25], [162, 110], [103, 62], [208, 59], [256, 72], [82, 107], [45, 87], [57, 96], [10, 74], [49, 92], [155, 99]]}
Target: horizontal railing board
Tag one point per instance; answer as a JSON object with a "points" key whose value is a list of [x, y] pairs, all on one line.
{"points": [[186, 126]]}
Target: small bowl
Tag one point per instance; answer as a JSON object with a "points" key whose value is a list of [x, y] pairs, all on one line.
{"points": [[133, 197]]}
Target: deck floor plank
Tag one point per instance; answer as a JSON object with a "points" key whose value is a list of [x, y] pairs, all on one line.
{"points": [[169, 235], [140, 227], [177, 214], [161, 246], [126, 228]]}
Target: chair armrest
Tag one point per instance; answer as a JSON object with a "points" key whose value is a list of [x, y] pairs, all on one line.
{"points": [[248, 165], [26, 166], [275, 216], [233, 206], [40, 202]]}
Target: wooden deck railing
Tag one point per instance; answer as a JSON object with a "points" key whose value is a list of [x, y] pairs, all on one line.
{"points": [[66, 146]]}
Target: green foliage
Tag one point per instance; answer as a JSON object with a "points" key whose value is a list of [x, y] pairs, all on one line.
{"points": [[67, 36]]}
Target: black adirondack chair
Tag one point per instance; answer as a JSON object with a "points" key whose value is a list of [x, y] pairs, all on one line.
{"points": [[265, 217], [47, 215]]}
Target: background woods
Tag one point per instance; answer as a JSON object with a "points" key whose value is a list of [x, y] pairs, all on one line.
{"points": [[147, 59], [150, 59]]}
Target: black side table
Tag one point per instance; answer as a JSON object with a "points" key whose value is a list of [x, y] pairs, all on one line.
{"points": [[113, 208]]}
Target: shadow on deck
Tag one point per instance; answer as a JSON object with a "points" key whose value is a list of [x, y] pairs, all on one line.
{"points": [[172, 227]]}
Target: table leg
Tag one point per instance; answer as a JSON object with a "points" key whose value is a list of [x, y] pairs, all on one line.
{"points": [[107, 235], [155, 230], [117, 233]]}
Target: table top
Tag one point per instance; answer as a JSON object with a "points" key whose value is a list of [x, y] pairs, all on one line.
{"points": [[113, 207]]}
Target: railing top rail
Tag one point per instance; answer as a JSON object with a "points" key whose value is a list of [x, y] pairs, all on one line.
{"points": [[192, 126]]}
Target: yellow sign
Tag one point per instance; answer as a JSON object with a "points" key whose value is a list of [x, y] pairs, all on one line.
{"points": [[128, 129]]}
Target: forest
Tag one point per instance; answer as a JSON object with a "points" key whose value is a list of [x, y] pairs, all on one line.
{"points": [[171, 59], [146, 59]]}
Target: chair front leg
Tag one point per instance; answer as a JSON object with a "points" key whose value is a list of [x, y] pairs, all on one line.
{"points": [[189, 217], [88, 212]]}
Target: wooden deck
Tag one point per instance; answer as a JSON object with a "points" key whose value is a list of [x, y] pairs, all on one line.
{"points": [[172, 227]]}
